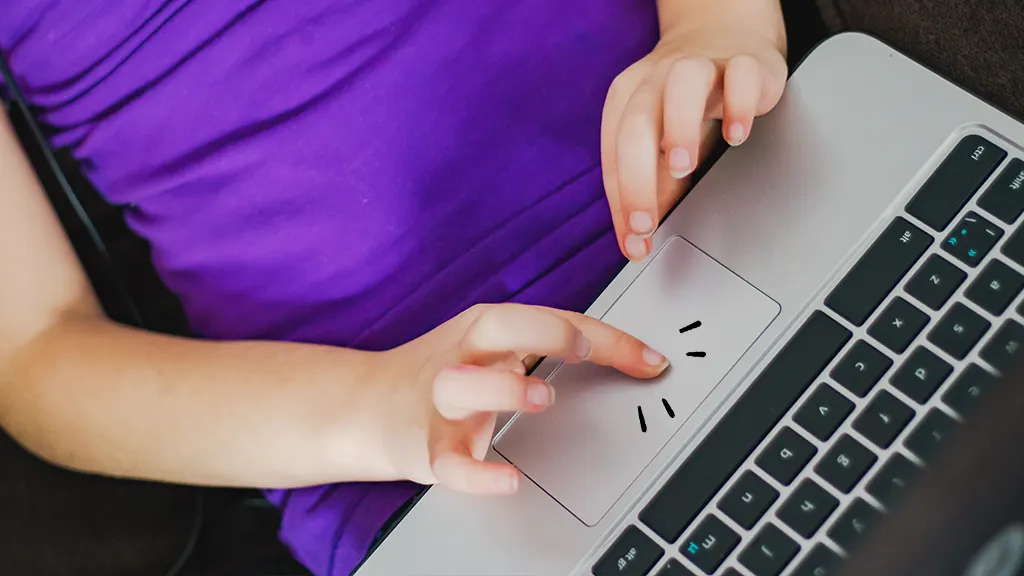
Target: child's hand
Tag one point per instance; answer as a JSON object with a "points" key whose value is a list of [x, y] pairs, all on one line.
{"points": [[450, 384], [657, 115]]}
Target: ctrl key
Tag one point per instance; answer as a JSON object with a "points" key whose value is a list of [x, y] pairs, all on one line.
{"points": [[632, 554], [709, 544]]}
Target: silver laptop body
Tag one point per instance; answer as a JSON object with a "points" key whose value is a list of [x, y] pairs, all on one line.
{"points": [[847, 266]]}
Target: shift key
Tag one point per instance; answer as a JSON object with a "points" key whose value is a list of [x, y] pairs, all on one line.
{"points": [[878, 271], [955, 181]]}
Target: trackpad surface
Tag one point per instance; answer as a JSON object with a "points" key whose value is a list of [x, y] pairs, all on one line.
{"points": [[588, 448]]}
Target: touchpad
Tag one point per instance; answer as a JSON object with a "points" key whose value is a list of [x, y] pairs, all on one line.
{"points": [[606, 427]]}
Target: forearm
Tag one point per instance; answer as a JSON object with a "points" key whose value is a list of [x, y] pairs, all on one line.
{"points": [[98, 397], [758, 16]]}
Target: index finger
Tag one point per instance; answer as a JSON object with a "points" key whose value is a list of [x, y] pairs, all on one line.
{"points": [[567, 335], [637, 155]]}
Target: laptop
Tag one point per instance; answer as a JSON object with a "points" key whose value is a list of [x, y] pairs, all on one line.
{"points": [[837, 297]]}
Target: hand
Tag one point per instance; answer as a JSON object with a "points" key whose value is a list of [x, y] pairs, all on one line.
{"points": [[661, 110], [451, 383]]}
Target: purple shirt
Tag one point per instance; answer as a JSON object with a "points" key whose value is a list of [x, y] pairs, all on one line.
{"points": [[341, 172]]}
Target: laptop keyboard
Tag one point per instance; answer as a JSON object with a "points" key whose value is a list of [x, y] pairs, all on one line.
{"points": [[850, 411]]}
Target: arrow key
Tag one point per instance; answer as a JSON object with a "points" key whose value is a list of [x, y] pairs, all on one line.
{"points": [[823, 412], [883, 419]]}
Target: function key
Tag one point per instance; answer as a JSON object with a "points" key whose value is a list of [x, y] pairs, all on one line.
{"points": [[674, 568], [709, 544], [786, 455], [1013, 248], [935, 281], [632, 554], [898, 325], [1004, 348], [823, 412], [861, 368], [968, 387], [995, 288], [855, 521], [955, 181], [807, 508], [921, 374], [878, 271], [820, 561], [958, 331], [893, 479], [929, 434], [1005, 197], [845, 463], [769, 552], [748, 499], [972, 239], [883, 419]]}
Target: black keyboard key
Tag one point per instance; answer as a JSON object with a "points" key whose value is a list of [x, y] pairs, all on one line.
{"points": [[893, 479], [1005, 197], [898, 325], [807, 508], [995, 288], [958, 331], [968, 387], [820, 561], [861, 368], [883, 419], [935, 281], [674, 568], [853, 523], [845, 463], [731, 572], [921, 374], [748, 499], [786, 455], [972, 239], [823, 412], [632, 554], [769, 552], [928, 436], [1003, 349], [1013, 248], [709, 544], [967, 166], [744, 426], [878, 271]]}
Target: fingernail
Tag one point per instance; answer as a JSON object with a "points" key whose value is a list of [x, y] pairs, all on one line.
{"points": [[583, 347], [506, 483], [737, 134], [641, 223], [540, 394], [636, 247], [679, 163], [652, 358]]}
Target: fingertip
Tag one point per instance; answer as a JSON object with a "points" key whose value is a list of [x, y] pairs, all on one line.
{"points": [[735, 133], [680, 162], [636, 247]]}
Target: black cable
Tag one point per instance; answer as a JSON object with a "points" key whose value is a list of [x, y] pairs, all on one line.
{"points": [[100, 246]]}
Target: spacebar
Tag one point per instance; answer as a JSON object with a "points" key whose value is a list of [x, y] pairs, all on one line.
{"points": [[743, 427]]}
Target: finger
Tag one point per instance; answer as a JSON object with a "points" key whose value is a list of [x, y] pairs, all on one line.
{"points": [[638, 149], [741, 96], [567, 335], [454, 467], [499, 329], [688, 86], [464, 390], [615, 104]]}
